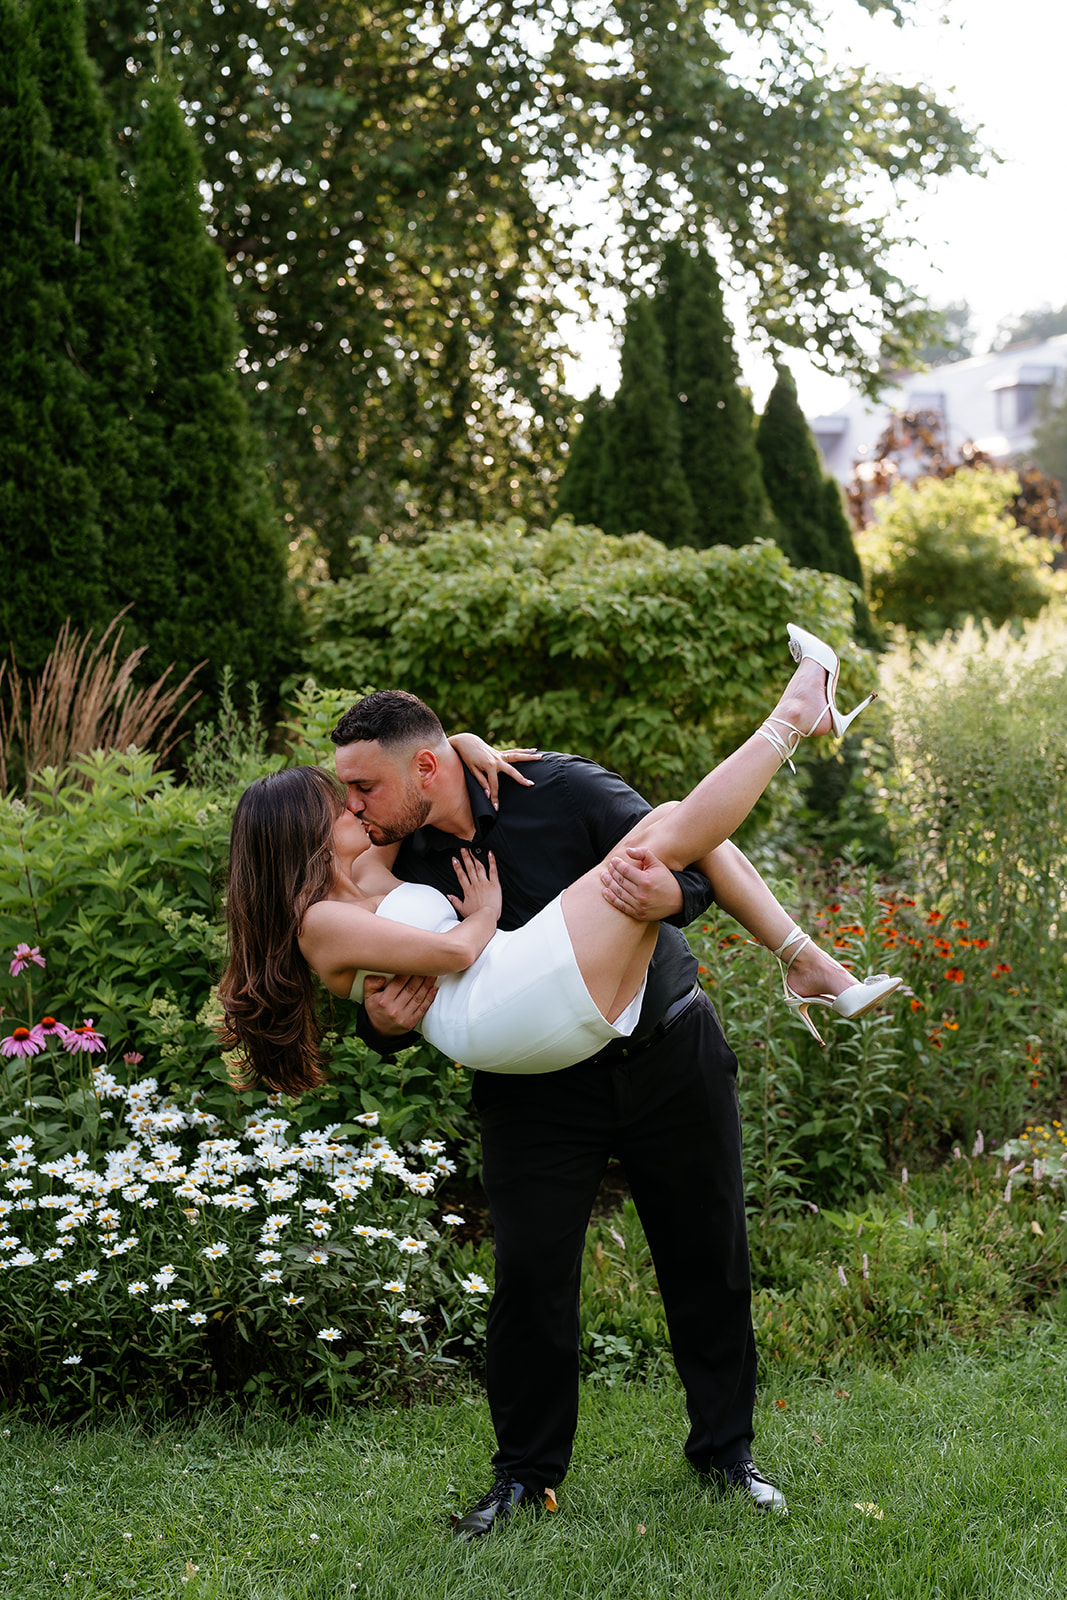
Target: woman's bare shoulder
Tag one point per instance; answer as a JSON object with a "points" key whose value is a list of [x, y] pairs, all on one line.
{"points": [[327, 915]]}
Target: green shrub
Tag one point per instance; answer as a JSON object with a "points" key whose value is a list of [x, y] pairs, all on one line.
{"points": [[655, 662], [943, 550]]}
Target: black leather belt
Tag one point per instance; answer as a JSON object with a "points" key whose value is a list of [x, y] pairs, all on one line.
{"points": [[619, 1049]]}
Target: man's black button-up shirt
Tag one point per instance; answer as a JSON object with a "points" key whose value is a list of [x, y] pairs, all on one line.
{"points": [[544, 838]]}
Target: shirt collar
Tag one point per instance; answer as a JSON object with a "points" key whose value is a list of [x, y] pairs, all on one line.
{"points": [[485, 818]]}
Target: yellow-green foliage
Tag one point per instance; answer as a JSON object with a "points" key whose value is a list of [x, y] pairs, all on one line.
{"points": [[654, 661], [943, 550], [982, 762]]}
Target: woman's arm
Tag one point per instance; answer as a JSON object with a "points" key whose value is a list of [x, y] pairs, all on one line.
{"points": [[338, 939], [487, 764]]}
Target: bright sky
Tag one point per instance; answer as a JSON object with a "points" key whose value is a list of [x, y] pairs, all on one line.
{"points": [[998, 242]]}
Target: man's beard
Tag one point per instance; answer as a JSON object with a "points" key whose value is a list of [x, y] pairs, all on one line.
{"points": [[414, 813]]}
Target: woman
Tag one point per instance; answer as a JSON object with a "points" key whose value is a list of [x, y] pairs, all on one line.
{"points": [[309, 893]]}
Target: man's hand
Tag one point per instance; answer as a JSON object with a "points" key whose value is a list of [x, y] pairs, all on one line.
{"points": [[637, 883], [396, 1005]]}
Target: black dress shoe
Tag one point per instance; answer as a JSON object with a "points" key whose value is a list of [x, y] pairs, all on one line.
{"points": [[495, 1507], [745, 1478]]}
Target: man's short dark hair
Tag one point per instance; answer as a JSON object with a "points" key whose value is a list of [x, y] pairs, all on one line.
{"points": [[392, 717]]}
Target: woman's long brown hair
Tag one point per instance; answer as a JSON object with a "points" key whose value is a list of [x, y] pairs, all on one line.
{"points": [[281, 862]]}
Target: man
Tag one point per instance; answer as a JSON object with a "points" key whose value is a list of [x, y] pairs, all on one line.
{"points": [[663, 1102]]}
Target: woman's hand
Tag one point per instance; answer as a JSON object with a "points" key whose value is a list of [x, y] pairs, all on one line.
{"points": [[481, 888], [487, 764]]}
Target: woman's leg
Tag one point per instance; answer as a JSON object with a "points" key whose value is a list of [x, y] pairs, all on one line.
{"points": [[612, 949], [743, 895]]}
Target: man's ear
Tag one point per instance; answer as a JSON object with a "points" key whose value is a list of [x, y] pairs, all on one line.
{"points": [[425, 765]]}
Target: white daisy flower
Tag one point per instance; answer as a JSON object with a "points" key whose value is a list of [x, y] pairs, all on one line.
{"points": [[318, 1258], [88, 1276], [64, 1285], [292, 1299], [264, 1257], [273, 1276], [329, 1334], [474, 1284], [394, 1286], [215, 1252], [137, 1288], [72, 1361], [412, 1316], [453, 1220], [410, 1246], [197, 1318]]}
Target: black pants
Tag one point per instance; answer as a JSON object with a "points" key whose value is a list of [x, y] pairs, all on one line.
{"points": [[669, 1113]]}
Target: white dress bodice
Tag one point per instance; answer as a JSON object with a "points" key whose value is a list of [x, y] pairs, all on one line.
{"points": [[522, 1006]]}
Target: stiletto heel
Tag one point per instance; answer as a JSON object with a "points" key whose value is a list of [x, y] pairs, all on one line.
{"points": [[852, 1003], [795, 942], [808, 646]]}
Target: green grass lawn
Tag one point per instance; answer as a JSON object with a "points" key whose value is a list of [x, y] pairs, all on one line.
{"points": [[958, 1460]]}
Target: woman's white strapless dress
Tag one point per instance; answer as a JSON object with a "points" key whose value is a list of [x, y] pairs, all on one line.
{"points": [[522, 1006]]}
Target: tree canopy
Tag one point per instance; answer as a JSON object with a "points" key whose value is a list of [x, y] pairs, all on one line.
{"points": [[390, 184]]}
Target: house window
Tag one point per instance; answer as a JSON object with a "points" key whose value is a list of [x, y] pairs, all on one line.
{"points": [[1018, 398]]}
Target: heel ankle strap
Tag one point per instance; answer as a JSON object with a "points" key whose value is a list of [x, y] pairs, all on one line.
{"points": [[794, 942], [786, 747]]}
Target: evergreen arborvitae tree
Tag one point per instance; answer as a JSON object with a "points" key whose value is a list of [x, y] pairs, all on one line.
{"points": [[794, 476], [642, 487], [808, 502], [217, 571], [579, 490], [69, 349], [840, 543], [718, 445]]}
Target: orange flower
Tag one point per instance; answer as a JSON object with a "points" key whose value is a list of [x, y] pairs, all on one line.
{"points": [[961, 924], [917, 1005], [980, 944], [954, 975], [834, 907], [935, 916]]}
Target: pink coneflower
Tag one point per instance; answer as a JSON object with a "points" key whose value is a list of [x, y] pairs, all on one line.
{"points": [[84, 1038], [20, 1043], [49, 1028], [132, 1059], [22, 958]]}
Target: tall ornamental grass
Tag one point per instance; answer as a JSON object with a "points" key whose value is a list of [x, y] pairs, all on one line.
{"points": [[978, 801]]}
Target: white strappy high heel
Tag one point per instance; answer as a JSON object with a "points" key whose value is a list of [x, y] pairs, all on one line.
{"points": [[808, 646], [851, 1004]]}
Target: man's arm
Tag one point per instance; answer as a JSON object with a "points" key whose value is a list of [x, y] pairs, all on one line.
{"points": [[392, 1008], [609, 808]]}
